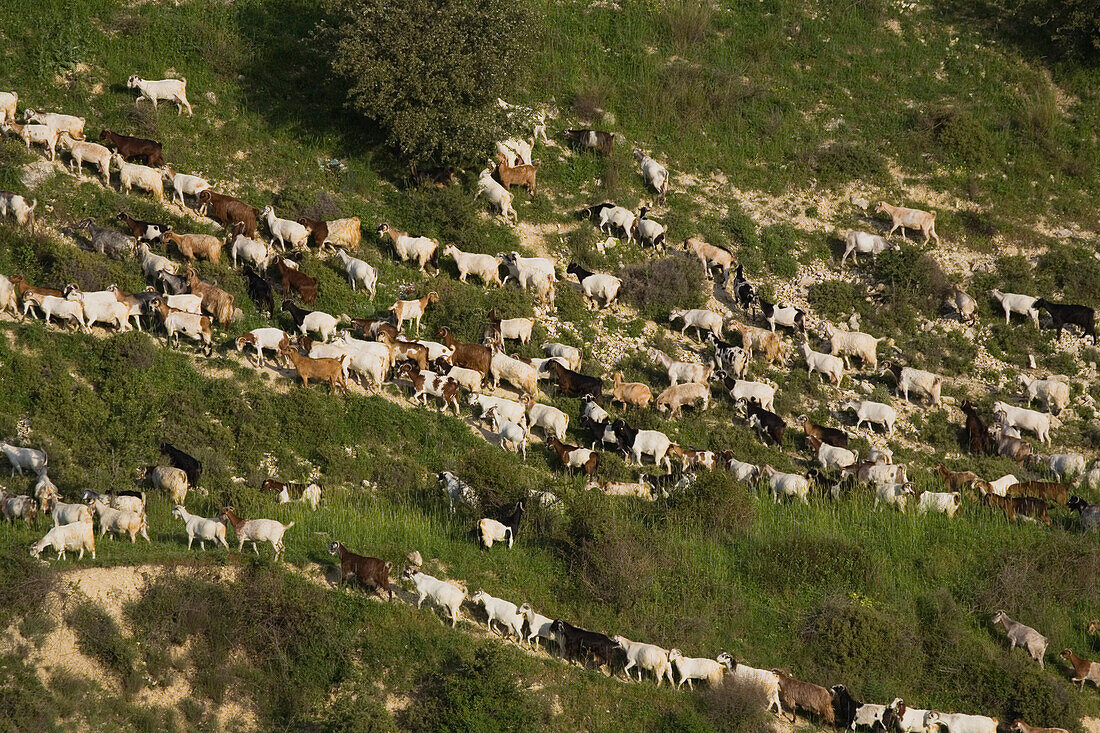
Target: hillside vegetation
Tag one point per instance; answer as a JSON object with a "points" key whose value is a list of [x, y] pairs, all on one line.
{"points": [[773, 117]]}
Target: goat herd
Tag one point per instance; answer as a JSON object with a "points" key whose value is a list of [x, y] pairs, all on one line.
{"points": [[189, 306]]}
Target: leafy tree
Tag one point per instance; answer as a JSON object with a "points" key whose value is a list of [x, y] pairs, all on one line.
{"points": [[429, 72]]}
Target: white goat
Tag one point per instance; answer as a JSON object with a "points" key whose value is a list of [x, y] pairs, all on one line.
{"points": [[680, 371], [72, 536], [699, 318], [358, 271], [910, 219], [826, 365], [1020, 417], [1053, 393], [538, 626], [853, 343], [896, 495], [871, 412], [862, 243], [695, 668], [504, 612], [472, 263], [142, 176], [942, 502], [201, 528], [786, 484], [446, 595], [284, 230], [653, 173], [173, 90], [82, 151], [1016, 303], [496, 194], [512, 436], [28, 458], [183, 183], [649, 657], [571, 354]]}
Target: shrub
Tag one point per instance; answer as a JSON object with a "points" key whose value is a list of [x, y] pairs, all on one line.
{"points": [[473, 691], [823, 561], [688, 20], [848, 638], [734, 707], [1062, 28], [430, 74], [834, 299], [715, 503], [839, 163], [657, 286]]}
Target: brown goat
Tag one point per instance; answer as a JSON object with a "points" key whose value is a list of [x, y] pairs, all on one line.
{"points": [[135, 147], [467, 355], [297, 280], [215, 301], [797, 695], [1083, 669], [630, 393], [372, 327], [691, 458], [956, 480], [228, 211], [977, 431], [1021, 727], [521, 175], [319, 369], [1013, 506], [370, 571], [1049, 490], [29, 294], [829, 436]]}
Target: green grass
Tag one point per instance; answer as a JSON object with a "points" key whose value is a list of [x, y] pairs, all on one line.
{"points": [[890, 605]]}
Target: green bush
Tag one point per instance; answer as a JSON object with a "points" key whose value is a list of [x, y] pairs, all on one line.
{"points": [[475, 691], [834, 299], [839, 163], [430, 74], [715, 503]]}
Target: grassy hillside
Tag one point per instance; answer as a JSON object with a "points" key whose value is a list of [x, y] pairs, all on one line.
{"points": [[770, 116]]}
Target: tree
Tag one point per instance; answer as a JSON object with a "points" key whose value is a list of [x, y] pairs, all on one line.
{"points": [[429, 72]]}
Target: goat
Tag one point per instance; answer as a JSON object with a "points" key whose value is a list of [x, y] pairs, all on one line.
{"points": [[309, 494], [709, 255], [765, 422], [795, 695], [576, 643], [109, 242], [575, 384], [680, 371], [1046, 490], [521, 175], [1053, 393], [43, 135], [412, 310], [175, 322], [943, 502], [447, 596], [961, 302], [183, 461], [256, 530], [419, 249], [786, 484], [512, 436], [630, 393], [826, 365], [14, 205], [283, 230], [167, 479], [183, 183], [1019, 417], [857, 243], [135, 174], [370, 571], [1024, 507], [851, 712], [1020, 726], [645, 656], [497, 195], [689, 669], [829, 436], [678, 395], [485, 266], [192, 246], [918, 380], [1083, 669], [18, 507], [491, 530], [81, 151], [904, 218], [118, 521], [457, 490], [572, 456], [1064, 314], [149, 151], [1016, 303], [647, 231], [72, 536], [699, 318], [1089, 513], [608, 216], [955, 480], [228, 211], [31, 459], [173, 90], [330, 369], [8, 106], [653, 173], [294, 279], [602, 142], [596, 286], [427, 382], [960, 722], [871, 412], [853, 343], [203, 529]]}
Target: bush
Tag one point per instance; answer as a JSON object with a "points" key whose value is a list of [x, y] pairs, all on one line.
{"points": [[657, 286], [734, 707], [840, 163], [715, 503], [430, 73], [822, 562], [834, 299], [473, 691]]}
